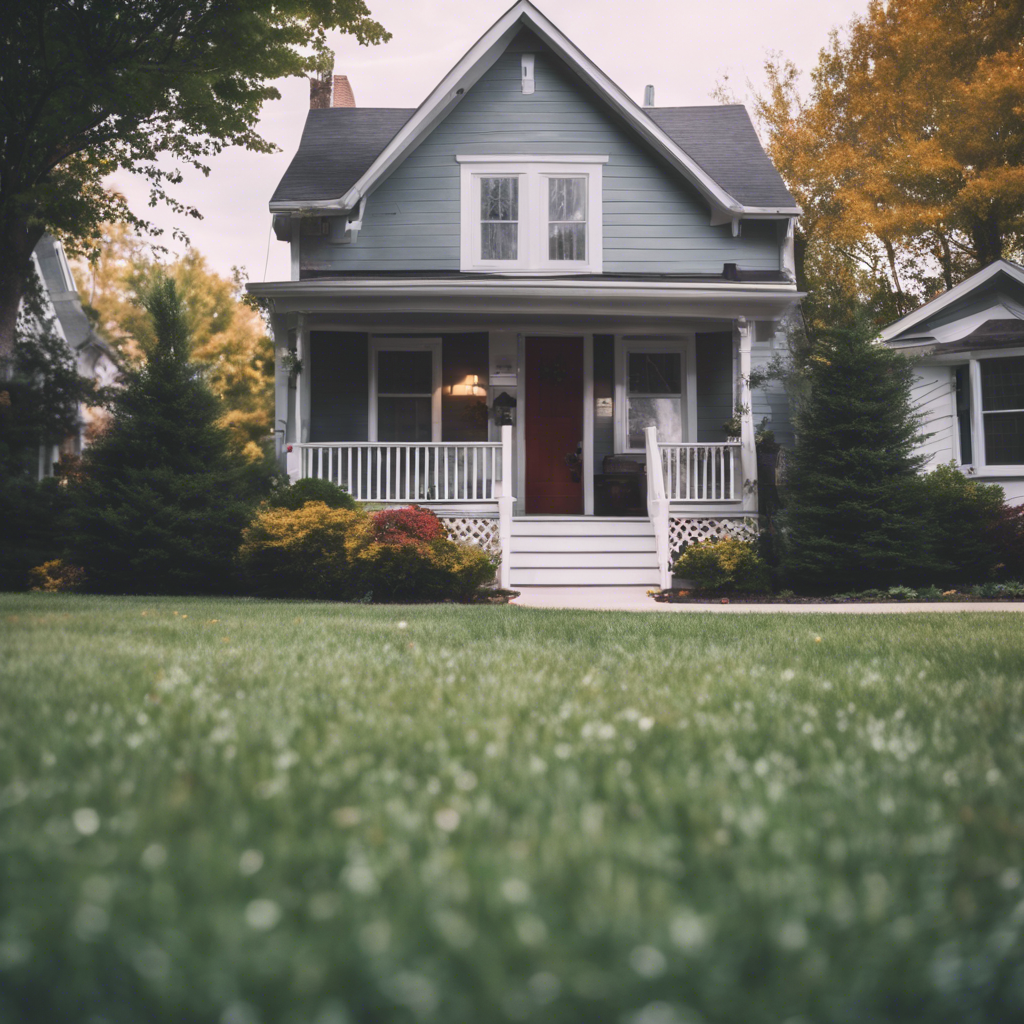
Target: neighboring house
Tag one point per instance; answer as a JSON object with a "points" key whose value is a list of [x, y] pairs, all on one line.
{"points": [[509, 301], [970, 379], [94, 358]]}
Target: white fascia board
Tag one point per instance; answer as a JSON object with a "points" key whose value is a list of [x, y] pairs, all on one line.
{"points": [[954, 294], [479, 59]]}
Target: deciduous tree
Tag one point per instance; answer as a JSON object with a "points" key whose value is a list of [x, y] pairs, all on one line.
{"points": [[94, 86], [908, 154]]}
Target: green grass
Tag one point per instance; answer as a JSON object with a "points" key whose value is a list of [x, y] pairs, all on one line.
{"points": [[312, 814]]}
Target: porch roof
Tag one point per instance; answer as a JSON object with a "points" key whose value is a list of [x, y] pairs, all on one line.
{"points": [[578, 299]]}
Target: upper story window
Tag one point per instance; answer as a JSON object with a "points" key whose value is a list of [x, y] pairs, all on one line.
{"points": [[532, 214]]}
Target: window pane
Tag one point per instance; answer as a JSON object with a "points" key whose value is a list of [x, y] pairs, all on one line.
{"points": [[655, 373], [404, 420], [963, 414], [663, 413], [567, 199], [1004, 438], [567, 242], [1002, 383], [499, 199], [499, 241], [405, 373]]}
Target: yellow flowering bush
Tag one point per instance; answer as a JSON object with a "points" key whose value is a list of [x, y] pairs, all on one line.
{"points": [[301, 552], [724, 565], [56, 576]]}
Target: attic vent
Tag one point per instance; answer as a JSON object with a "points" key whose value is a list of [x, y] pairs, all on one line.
{"points": [[649, 96], [528, 80]]}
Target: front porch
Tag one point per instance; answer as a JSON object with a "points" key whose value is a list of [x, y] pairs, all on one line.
{"points": [[497, 402]]}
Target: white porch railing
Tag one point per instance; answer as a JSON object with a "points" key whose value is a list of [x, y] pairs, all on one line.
{"points": [[702, 472], [457, 473], [657, 505]]}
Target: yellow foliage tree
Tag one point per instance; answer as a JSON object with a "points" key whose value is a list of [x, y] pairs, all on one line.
{"points": [[230, 338], [908, 154]]}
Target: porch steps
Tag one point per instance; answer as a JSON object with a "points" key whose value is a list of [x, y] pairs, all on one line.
{"points": [[582, 551]]}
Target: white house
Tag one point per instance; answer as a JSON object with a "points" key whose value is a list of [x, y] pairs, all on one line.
{"points": [[531, 304], [94, 358], [970, 379]]}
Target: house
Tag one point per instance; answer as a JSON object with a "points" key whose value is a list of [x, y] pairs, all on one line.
{"points": [[94, 358], [970, 376], [531, 304]]}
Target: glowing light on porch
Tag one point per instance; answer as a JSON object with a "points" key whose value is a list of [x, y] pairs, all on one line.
{"points": [[471, 386]]}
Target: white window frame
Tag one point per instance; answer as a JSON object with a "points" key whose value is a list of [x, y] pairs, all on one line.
{"points": [[981, 465], [533, 173], [393, 344], [686, 346]]}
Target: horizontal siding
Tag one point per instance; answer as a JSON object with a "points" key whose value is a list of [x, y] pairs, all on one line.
{"points": [[771, 401], [932, 397], [653, 222]]}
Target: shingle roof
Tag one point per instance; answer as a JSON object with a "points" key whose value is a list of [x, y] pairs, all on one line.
{"points": [[722, 140], [339, 144]]}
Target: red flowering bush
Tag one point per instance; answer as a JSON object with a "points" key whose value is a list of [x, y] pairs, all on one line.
{"points": [[400, 525]]}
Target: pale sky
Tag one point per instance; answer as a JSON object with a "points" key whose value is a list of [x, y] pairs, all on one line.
{"points": [[681, 48]]}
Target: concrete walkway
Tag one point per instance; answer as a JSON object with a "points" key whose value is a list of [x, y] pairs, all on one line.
{"points": [[635, 599]]}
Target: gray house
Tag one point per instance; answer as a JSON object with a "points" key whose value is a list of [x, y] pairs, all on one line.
{"points": [[531, 304]]}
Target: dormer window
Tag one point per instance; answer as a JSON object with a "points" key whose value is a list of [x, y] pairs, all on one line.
{"points": [[536, 214]]}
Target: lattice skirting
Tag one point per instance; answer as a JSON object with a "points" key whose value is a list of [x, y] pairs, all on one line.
{"points": [[686, 529], [479, 530]]}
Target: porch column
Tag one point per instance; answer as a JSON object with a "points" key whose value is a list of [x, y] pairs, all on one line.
{"points": [[279, 332], [302, 387], [748, 451], [505, 503]]}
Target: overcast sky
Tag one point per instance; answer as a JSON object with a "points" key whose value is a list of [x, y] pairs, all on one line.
{"points": [[681, 47]]}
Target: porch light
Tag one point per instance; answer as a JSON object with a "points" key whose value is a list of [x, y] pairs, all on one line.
{"points": [[471, 386], [503, 406]]}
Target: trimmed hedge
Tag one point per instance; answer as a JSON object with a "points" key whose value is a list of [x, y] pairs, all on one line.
{"points": [[724, 565]]}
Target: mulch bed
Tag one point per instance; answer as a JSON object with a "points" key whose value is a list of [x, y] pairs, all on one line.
{"points": [[692, 597]]}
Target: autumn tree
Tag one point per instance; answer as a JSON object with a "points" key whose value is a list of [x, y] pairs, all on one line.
{"points": [[229, 340], [908, 154], [96, 86]]}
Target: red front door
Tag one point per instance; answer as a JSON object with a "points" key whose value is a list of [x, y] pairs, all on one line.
{"points": [[554, 425]]}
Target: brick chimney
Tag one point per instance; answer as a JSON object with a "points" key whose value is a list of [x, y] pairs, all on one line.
{"points": [[319, 93], [343, 96]]}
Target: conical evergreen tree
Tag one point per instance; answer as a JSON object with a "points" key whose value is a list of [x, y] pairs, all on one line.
{"points": [[853, 520], [163, 500]]}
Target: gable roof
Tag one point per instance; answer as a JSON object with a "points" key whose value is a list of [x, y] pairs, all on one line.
{"points": [[761, 181], [902, 330]]}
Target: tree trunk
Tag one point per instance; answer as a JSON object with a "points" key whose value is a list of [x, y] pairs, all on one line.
{"points": [[988, 241], [18, 240], [901, 302], [945, 259]]}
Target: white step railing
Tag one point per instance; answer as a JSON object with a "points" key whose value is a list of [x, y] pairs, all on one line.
{"points": [[457, 473], [702, 472], [657, 505]]}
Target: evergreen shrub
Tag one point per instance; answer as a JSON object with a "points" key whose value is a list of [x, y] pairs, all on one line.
{"points": [[724, 565], [1007, 533], [296, 495], [854, 517], [961, 514], [163, 497], [31, 513]]}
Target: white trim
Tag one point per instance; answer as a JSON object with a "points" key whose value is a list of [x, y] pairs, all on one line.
{"points": [[532, 172], [686, 345], [954, 294], [477, 61], [379, 343], [531, 158]]}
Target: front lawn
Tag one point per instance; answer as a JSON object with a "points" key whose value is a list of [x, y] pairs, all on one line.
{"points": [[239, 812]]}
